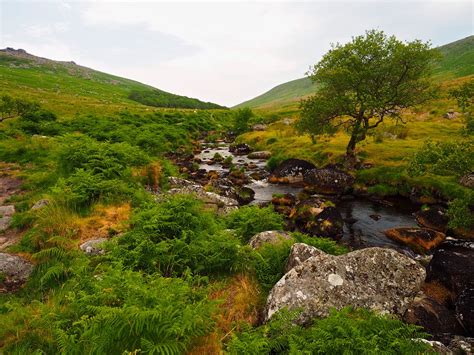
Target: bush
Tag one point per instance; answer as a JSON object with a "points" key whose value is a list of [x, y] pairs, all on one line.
{"points": [[250, 220], [344, 332], [460, 213]]}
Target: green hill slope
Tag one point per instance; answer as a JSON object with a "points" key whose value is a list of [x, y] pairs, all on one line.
{"points": [[457, 61], [71, 88]]}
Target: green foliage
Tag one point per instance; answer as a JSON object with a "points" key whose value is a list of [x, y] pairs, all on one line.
{"points": [[464, 96], [242, 119], [343, 332], [460, 213], [176, 235], [13, 107], [250, 220], [351, 94], [158, 98], [443, 158]]}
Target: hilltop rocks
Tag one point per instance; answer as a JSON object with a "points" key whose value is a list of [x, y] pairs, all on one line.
{"points": [[268, 237], [433, 217], [375, 278], [92, 247], [330, 180], [290, 171], [14, 270], [418, 239], [6, 214], [264, 154], [315, 217]]}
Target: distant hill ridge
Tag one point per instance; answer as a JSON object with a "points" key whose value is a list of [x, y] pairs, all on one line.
{"points": [[457, 61], [43, 78]]}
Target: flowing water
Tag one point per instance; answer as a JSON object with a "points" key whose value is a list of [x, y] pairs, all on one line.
{"points": [[366, 220]]}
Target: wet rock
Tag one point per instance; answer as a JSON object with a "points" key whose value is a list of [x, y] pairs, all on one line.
{"points": [[6, 214], [40, 204], [465, 309], [240, 149], [299, 253], [433, 217], [467, 180], [375, 217], [379, 279], [420, 198], [14, 272], [93, 247], [315, 217], [328, 180], [284, 200], [418, 239], [452, 265], [268, 237], [433, 316], [290, 171], [245, 195], [259, 127], [264, 154], [461, 345]]}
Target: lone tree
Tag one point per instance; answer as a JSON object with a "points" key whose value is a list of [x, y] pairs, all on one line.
{"points": [[361, 83]]}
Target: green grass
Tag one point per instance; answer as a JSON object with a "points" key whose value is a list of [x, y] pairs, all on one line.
{"points": [[457, 61], [69, 89]]}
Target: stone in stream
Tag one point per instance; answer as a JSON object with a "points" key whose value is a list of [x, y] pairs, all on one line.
{"points": [[6, 214], [419, 240], [264, 154], [379, 279], [290, 171], [318, 218], [268, 237], [240, 149], [14, 271], [329, 180], [433, 217]]}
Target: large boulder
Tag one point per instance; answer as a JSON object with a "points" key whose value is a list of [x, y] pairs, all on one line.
{"points": [[268, 237], [299, 253], [291, 171], [14, 271], [419, 240], [93, 246], [329, 180], [433, 316], [6, 215], [452, 265], [379, 279], [318, 218], [433, 217]]}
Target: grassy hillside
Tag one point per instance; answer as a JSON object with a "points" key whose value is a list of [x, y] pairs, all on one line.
{"points": [[457, 61], [69, 88]]}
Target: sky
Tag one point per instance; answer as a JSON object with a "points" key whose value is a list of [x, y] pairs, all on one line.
{"points": [[222, 51]]}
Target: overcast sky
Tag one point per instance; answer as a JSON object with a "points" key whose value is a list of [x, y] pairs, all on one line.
{"points": [[225, 52]]}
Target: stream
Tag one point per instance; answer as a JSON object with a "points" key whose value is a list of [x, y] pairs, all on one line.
{"points": [[366, 220]]}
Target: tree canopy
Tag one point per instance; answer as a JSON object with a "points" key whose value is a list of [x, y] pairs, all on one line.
{"points": [[371, 78]]}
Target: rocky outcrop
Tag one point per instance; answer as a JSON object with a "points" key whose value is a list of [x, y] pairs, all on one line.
{"points": [[290, 171], [315, 217], [419, 240], [433, 217], [467, 180], [14, 272], [264, 154], [221, 204], [268, 237], [379, 279], [330, 180], [93, 246], [6, 214]]}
